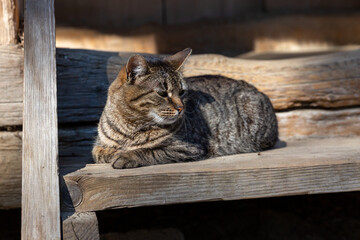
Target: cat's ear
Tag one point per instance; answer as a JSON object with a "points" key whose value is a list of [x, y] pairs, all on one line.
{"points": [[136, 67], [178, 59]]}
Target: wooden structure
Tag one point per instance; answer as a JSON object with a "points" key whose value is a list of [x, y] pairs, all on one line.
{"points": [[316, 97]]}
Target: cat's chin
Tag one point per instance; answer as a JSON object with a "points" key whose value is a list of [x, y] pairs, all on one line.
{"points": [[163, 120]]}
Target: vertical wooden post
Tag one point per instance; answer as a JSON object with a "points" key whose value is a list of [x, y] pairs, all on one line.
{"points": [[8, 22], [40, 181]]}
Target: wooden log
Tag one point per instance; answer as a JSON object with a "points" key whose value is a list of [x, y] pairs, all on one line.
{"points": [[10, 169], [296, 32], [319, 123], [327, 81], [40, 179], [9, 22], [80, 226], [75, 144], [302, 167]]}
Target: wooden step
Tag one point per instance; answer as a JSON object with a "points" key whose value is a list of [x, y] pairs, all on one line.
{"points": [[297, 167]]}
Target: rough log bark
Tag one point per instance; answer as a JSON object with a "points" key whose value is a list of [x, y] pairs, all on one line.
{"points": [[75, 144], [80, 226], [40, 203], [327, 81], [8, 22], [10, 169], [299, 168]]}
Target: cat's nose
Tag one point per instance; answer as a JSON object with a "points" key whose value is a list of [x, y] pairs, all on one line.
{"points": [[179, 108]]}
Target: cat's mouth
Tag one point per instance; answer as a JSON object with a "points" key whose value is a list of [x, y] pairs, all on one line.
{"points": [[165, 117]]}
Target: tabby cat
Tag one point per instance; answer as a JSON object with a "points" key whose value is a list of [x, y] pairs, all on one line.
{"points": [[153, 116]]}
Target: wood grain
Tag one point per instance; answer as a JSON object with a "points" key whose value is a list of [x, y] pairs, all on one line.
{"points": [[10, 169], [75, 144], [80, 226], [302, 167], [265, 32], [8, 22], [326, 81], [108, 14], [40, 179], [178, 12], [319, 123], [11, 84]]}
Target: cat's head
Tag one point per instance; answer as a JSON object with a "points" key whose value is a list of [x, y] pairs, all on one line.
{"points": [[154, 88]]}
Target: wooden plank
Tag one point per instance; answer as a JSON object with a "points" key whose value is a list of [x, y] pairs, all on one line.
{"points": [[178, 12], [8, 22], [310, 5], [40, 180], [302, 167], [108, 14], [75, 144], [10, 169], [80, 226], [319, 123], [11, 84], [326, 81], [266, 32]]}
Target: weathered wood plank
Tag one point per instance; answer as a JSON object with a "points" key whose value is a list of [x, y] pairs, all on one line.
{"points": [[319, 123], [10, 169], [75, 144], [263, 33], [11, 84], [108, 14], [327, 81], [40, 179], [178, 12], [8, 22], [302, 167], [80, 226]]}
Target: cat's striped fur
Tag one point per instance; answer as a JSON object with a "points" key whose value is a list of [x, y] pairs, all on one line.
{"points": [[154, 116]]}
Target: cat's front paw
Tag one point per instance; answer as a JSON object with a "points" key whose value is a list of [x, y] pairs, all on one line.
{"points": [[124, 161]]}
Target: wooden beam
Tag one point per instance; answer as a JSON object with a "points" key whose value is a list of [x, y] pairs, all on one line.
{"points": [[11, 85], [10, 169], [40, 180], [80, 226], [9, 22], [310, 6], [302, 167], [319, 123], [265, 32], [326, 81]]}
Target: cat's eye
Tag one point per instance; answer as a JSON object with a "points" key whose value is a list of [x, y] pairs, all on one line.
{"points": [[181, 92], [162, 93]]}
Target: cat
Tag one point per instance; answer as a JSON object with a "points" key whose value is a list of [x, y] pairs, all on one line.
{"points": [[153, 115]]}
